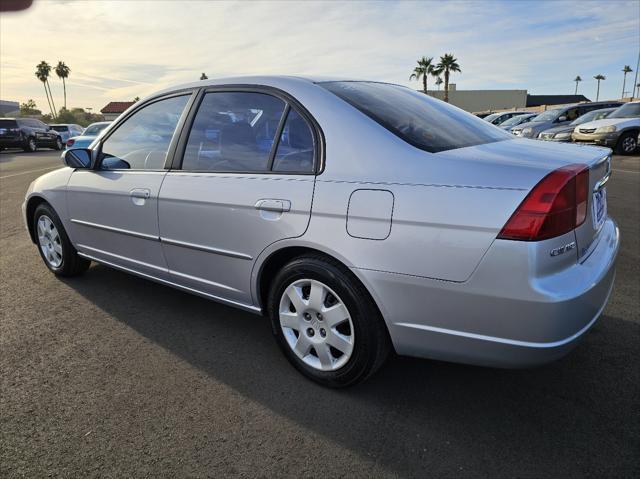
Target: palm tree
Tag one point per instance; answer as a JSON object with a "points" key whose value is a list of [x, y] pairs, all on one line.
{"points": [[447, 64], [438, 82], [204, 77], [43, 69], [423, 70], [577, 80], [599, 77], [62, 70], [625, 70]]}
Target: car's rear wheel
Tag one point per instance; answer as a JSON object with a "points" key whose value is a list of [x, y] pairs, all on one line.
{"points": [[54, 246], [31, 145], [326, 323], [627, 143], [58, 146]]}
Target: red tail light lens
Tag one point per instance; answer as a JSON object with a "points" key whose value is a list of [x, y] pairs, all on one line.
{"points": [[555, 206], [70, 142]]}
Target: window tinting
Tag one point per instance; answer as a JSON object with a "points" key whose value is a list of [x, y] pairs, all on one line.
{"points": [[295, 148], [60, 128], [8, 123], [233, 131], [418, 119], [142, 141]]}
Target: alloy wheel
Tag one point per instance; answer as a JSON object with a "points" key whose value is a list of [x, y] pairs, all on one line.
{"points": [[32, 144], [49, 240], [629, 144], [316, 325]]}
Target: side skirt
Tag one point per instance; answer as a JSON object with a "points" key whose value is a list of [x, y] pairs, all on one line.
{"points": [[246, 307]]}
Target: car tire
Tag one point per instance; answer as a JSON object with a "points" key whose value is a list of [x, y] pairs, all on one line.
{"points": [[59, 145], [627, 143], [346, 345], [31, 145], [54, 246]]}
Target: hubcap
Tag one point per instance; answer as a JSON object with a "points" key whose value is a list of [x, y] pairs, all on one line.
{"points": [[628, 144], [32, 144], [316, 325], [49, 240]]}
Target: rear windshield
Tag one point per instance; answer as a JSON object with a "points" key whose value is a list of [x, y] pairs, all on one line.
{"points": [[60, 127], [8, 124], [420, 120]]}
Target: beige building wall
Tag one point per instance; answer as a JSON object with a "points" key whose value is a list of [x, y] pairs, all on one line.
{"points": [[484, 100]]}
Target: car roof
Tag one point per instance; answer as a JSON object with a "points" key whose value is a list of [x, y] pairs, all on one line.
{"points": [[283, 82]]}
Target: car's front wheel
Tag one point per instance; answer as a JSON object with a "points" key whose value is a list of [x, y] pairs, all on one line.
{"points": [[54, 246], [31, 145], [627, 143], [58, 145], [326, 323]]}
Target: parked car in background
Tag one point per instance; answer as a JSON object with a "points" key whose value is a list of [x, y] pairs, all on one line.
{"points": [[208, 187], [619, 130], [67, 130], [28, 134], [87, 136], [558, 117], [563, 133], [517, 120], [499, 118]]}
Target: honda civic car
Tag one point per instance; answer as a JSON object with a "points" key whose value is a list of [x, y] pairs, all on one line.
{"points": [[361, 218]]}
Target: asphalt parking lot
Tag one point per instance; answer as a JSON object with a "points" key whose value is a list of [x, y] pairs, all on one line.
{"points": [[112, 375]]}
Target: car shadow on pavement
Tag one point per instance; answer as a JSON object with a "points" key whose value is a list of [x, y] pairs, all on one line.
{"points": [[415, 417]]}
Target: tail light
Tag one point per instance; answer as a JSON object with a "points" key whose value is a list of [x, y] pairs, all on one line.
{"points": [[555, 206], [70, 142]]}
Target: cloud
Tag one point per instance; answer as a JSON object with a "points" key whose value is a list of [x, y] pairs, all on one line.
{"points": [[119, 50]]}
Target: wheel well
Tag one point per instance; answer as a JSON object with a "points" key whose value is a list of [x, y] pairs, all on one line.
{"points": [[33, 203]]}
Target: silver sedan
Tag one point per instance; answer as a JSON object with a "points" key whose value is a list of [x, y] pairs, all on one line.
{"points": [[361, 217]]}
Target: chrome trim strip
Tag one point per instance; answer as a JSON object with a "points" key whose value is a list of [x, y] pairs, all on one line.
{"points": [[208, 249], [116, 230], [246, 307], [205, 281], [123, 258], [603, 181]]}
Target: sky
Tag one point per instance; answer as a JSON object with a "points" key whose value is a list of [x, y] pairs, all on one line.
{"points": [[118, 50]]}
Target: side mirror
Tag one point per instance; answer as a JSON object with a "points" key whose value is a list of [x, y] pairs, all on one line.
{"points": [[78, 158], [562, 118]]}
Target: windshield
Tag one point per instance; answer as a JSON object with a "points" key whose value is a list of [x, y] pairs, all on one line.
{"points": [[591, 116], [491, 117], [416, 118], [516, 120], [93, 130], [60, 127], [630, 110], [548, 115]]}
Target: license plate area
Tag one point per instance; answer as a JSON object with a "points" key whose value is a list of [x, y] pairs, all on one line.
{"points": [[599, 208]]}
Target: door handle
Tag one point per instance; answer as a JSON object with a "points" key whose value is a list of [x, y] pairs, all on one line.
{"points": [[278, 206], [140, 193]]}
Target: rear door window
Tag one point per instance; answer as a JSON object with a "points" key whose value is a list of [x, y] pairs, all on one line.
{"points": [[295, 149], [233, 132]]}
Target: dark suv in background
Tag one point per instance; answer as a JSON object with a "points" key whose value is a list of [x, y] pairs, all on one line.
{"points": [[28, 134]]}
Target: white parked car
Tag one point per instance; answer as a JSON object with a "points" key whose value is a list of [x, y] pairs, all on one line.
{"points": [[620, 130]]}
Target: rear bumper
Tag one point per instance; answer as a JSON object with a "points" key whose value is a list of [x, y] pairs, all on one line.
{"points": [[506, 314]]}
